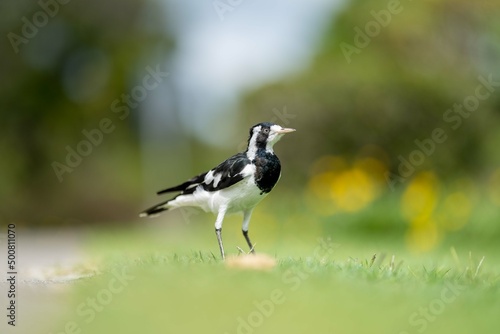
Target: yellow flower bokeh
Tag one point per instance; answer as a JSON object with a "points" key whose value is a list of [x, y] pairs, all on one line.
{"points": [[352, 189], [337, 186], [456, 211], [420, 197], [418, 204], [431, 214], [423, 235], [430, 208]]}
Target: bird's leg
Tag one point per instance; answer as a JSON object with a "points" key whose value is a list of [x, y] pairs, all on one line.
{"points": [[244, 228], [245, 234], [218, 230]]}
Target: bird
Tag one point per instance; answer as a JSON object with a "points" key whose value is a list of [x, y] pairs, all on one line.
{"points": [[236, 185]]}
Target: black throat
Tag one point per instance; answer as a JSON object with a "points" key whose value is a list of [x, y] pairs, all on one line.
{"points": [[268, 170]]}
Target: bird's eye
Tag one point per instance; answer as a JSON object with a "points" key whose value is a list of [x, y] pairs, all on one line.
{"points": [[266, 131]]}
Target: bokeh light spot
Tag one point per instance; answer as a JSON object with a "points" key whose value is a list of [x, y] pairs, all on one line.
{"points": [[420, 197]]}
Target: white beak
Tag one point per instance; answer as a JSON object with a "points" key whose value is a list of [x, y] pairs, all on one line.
{"points": [[285, 130]]}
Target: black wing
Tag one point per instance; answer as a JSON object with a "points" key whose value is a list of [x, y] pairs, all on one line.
{"points": [[227, 173], [192, 183], [223, 176]]}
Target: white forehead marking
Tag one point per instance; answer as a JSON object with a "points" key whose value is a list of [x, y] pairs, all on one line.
{"points": [[276, 127]]}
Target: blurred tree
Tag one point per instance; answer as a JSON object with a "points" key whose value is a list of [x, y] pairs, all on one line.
{"points": [[388, 74], [63, 65]]}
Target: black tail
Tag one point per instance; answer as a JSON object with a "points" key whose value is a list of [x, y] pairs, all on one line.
{"points": [[187, 187], [155, 210]]}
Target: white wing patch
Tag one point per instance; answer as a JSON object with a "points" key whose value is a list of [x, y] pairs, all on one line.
{"points": [[249, 170], [211, 177], [217, 179]]}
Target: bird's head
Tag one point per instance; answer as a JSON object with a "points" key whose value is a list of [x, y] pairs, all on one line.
{"points": [[265, 135]]}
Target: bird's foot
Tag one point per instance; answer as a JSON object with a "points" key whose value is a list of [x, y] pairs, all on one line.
{"points": [[241, 251]]}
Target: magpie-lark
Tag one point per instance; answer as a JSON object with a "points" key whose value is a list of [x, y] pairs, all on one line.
{"points": [[236, 185]]}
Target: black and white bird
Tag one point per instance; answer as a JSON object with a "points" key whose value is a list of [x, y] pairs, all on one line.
{"points": [[236, 185]]}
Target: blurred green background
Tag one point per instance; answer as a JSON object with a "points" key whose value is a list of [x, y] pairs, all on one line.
{"points": [[374, 86], [397, 111]]}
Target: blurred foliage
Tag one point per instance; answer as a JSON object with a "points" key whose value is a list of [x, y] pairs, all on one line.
{"points": [[386, 77], [411, 66], [62, 67]]}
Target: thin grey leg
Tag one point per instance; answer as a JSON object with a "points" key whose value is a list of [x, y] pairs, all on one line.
{"points": [[218, 229], [244, 228], [218, 232], [245, 234]]}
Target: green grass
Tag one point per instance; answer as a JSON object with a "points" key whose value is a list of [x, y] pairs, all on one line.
{"points": [[175, 282]]}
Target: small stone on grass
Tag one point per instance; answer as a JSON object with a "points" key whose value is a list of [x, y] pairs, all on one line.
{"points": [[251, 262]]}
